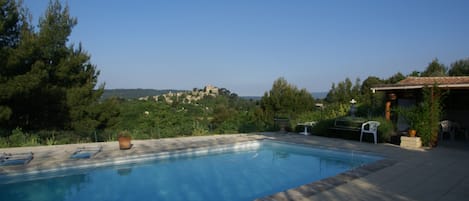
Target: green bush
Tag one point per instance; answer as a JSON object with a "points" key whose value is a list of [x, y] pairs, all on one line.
{"points": [[198, 129], [4, 142], [142, 134], [31, 140], [431, 108], [425, 116], [307, 117], [51, 140], [17, 138], [107, 135], [332, 111], [322, 127], [385, 129], [66, 137], [248, 127]]}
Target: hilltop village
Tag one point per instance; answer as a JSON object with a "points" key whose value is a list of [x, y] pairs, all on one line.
{"points": [[185, 97]]}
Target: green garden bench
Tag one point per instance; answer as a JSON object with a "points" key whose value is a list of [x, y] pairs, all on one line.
{"points": [[344, 124]]}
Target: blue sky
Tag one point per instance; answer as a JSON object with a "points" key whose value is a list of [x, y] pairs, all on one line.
{"points": [[244, 45]]}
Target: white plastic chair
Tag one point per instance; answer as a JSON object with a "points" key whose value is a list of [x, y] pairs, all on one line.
{"points": [[447, 126], [372, 128]]}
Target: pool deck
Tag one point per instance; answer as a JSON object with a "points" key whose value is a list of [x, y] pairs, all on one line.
{"points": [[440, 173]]}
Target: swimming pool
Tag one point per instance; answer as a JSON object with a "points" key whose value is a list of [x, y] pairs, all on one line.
{"points": [[230, 172]]}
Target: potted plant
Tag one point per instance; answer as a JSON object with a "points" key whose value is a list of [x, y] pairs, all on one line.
{"points": [[412, 132], [124, 140], [425, 117]]}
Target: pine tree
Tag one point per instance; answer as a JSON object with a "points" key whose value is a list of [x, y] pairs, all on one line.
{"points": [[46, 83], [459, 68], [16, 78], [286, 101], [434, 69]]}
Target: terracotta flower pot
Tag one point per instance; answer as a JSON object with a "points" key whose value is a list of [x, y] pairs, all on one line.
{"points": [[412, 133], [124, 142]]}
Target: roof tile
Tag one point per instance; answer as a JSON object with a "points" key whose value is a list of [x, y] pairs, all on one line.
{"points": [[432, 80]]}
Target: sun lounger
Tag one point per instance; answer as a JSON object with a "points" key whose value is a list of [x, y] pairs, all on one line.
{"points": [[86, 152], [16, 158]]}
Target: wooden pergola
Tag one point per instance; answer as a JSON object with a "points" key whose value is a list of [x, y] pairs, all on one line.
{"points": [[409, 92]]}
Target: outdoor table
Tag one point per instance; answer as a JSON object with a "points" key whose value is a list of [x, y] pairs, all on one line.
{"points": [[305, 125]]}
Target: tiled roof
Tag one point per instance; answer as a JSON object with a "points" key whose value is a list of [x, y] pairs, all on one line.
{"points": [[432, 80], [420, 82]]}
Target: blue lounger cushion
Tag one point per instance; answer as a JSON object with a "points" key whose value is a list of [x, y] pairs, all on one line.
{"points": [[16, 158], [85, 152]]}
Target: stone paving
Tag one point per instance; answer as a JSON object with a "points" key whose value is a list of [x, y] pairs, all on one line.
{"points": [[58, 156], [441, 173]]}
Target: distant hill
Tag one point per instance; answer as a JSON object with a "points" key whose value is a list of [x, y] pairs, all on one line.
{"points": [[316, 95], [136, 93], [254, 98], [319, 95]]}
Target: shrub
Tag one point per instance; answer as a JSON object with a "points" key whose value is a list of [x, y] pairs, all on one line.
{"points": [[425, 116], [31, 140], [66, 137], [198, 129], [335, 110], [17, 138], [322, 127], [432, 110], [51, 140], [307, 117], [4, 142], [248, 127], [385, 129]]}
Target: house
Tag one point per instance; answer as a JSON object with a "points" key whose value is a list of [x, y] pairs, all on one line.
{"points": [[409, 92]]}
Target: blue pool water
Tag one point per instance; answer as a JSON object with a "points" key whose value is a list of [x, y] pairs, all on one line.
{"points": [[246, 172]]}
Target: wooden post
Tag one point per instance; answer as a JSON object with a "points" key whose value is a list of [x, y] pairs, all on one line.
{"points": [[390, 97], [388, 110]]}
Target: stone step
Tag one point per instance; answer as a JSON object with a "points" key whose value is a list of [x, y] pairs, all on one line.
{"points": [[411, 142]]}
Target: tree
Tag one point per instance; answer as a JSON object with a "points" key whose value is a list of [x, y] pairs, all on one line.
{"points": [[344, 92], [434, 69], [365, 90], [415, 74], [286, 100], [11, 23], [45, 82], [14, 79], [222, 114], [396, 78], [459, 68]]}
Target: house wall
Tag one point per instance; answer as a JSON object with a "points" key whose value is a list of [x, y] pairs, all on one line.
{"points": [[456, 107], [402, 124]]}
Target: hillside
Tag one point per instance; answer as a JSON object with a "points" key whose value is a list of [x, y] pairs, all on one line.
{"points": [[136, 93], [319, 95]]}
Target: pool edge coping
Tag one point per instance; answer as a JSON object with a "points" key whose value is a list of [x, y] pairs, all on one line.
{"points": [[90, 163], [301, 192], [322, 185], [316, 187]]}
